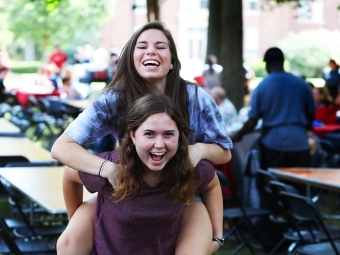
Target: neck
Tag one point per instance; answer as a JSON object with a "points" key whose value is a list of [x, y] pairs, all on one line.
{"points": [[152, 179], [157, 87]]}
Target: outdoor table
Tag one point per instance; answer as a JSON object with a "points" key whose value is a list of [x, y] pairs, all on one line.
{"points": [[6, 127], [325, 129], [326, 178], [22, 146], [42, 185]]}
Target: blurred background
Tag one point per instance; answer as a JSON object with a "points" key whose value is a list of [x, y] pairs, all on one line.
{"points": [[237, 32]]}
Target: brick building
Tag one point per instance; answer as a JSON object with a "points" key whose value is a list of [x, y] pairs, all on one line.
{"points": [[263, 26]]}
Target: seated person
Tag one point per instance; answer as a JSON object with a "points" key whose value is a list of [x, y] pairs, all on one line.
{"points": [[225, 106], [331, 75], [47, 77], [3, 72], [325, 106]]}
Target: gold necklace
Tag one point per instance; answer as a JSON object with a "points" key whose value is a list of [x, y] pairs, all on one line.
{"points": [[156, 179]]}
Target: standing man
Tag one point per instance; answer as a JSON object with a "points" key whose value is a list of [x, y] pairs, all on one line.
{"points": [[285, 104], [59, 58]]}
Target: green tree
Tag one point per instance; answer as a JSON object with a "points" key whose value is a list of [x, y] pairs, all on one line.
{"points": [[225, 41], [47, 22], [309, 51]]}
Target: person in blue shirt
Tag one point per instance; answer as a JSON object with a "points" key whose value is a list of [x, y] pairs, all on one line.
{"points": [[285, 104], [331, 75]]}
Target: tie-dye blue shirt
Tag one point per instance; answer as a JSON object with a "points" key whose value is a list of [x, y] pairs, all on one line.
{"points": [[205, 119]]}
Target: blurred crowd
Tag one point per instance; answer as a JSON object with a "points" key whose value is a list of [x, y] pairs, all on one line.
{"points": [[69, 74]]}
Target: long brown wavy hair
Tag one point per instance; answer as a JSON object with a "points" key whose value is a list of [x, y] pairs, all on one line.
{"points": [[177, 173], [130, 85]]}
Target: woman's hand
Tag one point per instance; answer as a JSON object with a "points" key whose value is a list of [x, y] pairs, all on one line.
{"points": [[196, 152], [214, 247], [111, 171], [212, 152]]}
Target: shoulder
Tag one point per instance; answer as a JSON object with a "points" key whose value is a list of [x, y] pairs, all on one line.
{"points": [[113, 156], [204, 164], [204, 172], [106, 98], [197, 91]]}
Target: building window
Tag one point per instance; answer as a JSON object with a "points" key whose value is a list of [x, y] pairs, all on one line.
{"points": [[200, 49], [140, 4], [191, 50], [204, 4], [251, 41], [253, 5], [311, 11]]}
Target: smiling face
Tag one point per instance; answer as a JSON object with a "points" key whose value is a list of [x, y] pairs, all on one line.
{"points": [[152, 57], [156, 141]]}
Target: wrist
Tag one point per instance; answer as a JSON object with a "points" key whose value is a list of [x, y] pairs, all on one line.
{"points": [[220, 241], [106, 168], [203, 148]]}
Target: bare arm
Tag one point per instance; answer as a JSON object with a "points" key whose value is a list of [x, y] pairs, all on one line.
{"points": [[212, 152], [66, 150], [73, 190], [248, 126], [213, 200]]}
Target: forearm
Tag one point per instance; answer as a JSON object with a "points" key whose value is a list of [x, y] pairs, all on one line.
{"points": [[71, 154], [248, 126], [214, 153], [214, 202], [72, 190], [310, 117]]}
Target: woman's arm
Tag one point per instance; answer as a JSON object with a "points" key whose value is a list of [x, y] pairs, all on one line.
{"points": [[71, 154], [78, 236], [213, 200], [72, 190], [212, 152]]}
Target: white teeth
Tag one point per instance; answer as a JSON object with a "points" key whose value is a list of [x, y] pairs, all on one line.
{"points": [[151, 62], [158, 153]]}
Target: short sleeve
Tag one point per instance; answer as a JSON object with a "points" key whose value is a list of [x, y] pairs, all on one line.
{"points": [[205, 119], [254, 109], [204, 173], [95, 183], [92, 123], [92, 183]]}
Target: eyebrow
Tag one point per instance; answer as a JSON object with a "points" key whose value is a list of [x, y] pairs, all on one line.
{"points": [[159, 42], [166, 131]]}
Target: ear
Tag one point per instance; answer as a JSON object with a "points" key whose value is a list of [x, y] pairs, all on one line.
{"points": [[171, 66], [133, 138]]}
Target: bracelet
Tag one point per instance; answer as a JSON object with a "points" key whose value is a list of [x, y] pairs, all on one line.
{"points": [[220, 241], [102, 167]]}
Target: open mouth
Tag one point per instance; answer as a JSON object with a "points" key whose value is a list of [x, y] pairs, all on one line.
{"points": [[151, 63], [157, 156]]}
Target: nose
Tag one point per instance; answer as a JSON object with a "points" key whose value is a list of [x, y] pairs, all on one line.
{"points": [[151, 50], [159, 142]]}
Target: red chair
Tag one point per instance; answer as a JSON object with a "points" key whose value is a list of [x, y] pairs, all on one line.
{"points": [[228, 172], [200, 80]]}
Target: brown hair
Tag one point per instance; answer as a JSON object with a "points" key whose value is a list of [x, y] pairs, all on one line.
{"points": [[324, 93], [130, 85], [178, 172]]}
